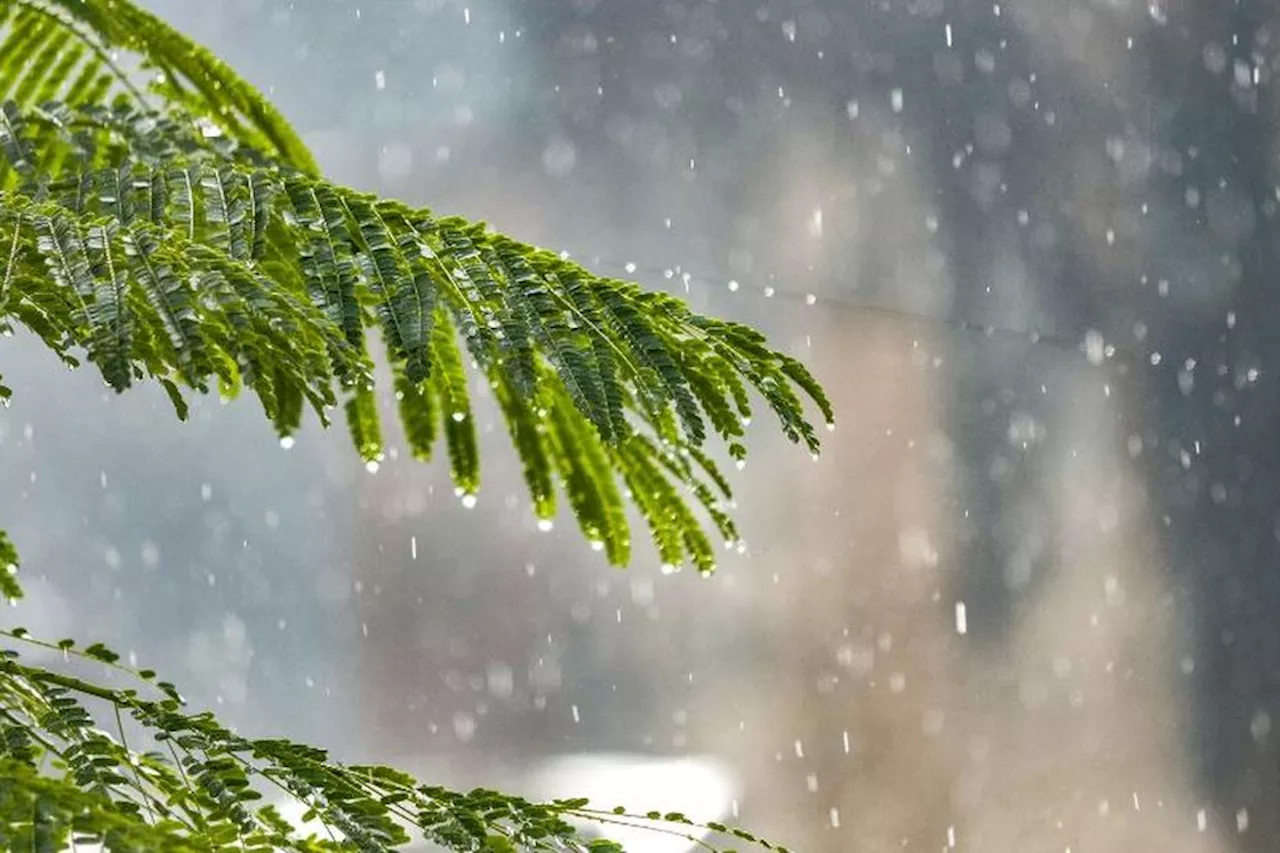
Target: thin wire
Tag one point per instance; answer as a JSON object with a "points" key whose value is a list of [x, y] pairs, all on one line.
{"points": [[1075, 345]]}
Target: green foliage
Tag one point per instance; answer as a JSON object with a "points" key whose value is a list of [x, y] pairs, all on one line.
{"points": [[190, 784], [162, 255], [159, 219], [8, 569], [80, 52]]}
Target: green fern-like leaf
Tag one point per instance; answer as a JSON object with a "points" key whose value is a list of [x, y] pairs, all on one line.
{"points": [[195, 262], [183, 781], [9, 586], [71, 51]]}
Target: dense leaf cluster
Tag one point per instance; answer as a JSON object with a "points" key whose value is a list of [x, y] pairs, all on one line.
{"points": [[166, 252]]}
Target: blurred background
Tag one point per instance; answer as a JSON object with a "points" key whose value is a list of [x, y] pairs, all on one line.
{"points": [[1027, 600]]}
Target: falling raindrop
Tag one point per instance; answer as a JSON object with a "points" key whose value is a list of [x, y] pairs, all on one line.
{"points": [[816, 223], [1094, 347]]}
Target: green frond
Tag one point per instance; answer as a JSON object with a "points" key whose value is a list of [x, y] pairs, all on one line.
{"points": [[261, 192], [362, 419], [404, 301], [41, 812], [69, 57], [271, 336], [225, 210], [326, 255], [168, 303], [654, 497], [679, 464], [13, 142], [526, 432], [707, 385], [60, 247], [9, 587], [50, 55], [419, 413], [476, 318], [110, 315], [623, 304], [509, 306], [605, 354], [770, 373], [43, 62], [26, 31], [712, 470], [115, 192], [450, 381], [566, 349], [519, 356], [199, 260], [800, 375], [73, 51], [589, 481], [182, 781]]}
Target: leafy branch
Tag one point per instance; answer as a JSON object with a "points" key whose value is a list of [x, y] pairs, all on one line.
{"points": [[197, 265], [206, 794], [159, 219]]}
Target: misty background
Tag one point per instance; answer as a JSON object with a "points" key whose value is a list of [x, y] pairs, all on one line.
{"points": [[1029, 597]]}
